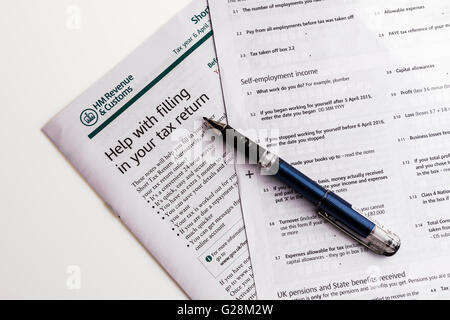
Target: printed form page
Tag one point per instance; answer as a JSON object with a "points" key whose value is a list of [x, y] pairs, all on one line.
{"points": [[358, 93], [137, 137]]}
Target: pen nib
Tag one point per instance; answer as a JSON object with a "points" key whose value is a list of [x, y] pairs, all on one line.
{"points": [[215, 124]]}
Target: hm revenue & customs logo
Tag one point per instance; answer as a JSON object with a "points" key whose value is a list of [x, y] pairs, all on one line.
{"points": [[89, 117]]}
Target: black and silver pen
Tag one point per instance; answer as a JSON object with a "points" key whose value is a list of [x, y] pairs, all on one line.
{"points": [[330, 206]]}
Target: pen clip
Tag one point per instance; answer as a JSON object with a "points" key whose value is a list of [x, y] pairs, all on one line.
{"points": [[379, 240], [343, 228]]}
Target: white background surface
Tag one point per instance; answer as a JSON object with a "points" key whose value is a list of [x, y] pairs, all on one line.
{"points": [[50, 218]]}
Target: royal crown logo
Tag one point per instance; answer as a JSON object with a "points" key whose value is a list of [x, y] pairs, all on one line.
{"points": [[89, 117]]}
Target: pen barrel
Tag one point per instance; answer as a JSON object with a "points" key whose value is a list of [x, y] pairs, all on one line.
{"points": [[342, 211], [305, 186], [326, 201]]}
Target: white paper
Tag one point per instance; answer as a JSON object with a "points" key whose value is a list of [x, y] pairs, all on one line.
{"points": [[358, 92], [184, 208]]}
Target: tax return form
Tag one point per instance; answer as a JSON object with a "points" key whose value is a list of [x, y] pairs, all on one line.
{"points": [[355, 94]]}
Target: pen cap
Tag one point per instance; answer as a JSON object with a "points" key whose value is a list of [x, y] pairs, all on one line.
{"points": [[383, 241], [379, 240]]}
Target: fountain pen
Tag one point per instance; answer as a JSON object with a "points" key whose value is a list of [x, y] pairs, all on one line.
{"points": [[329, 205]]}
